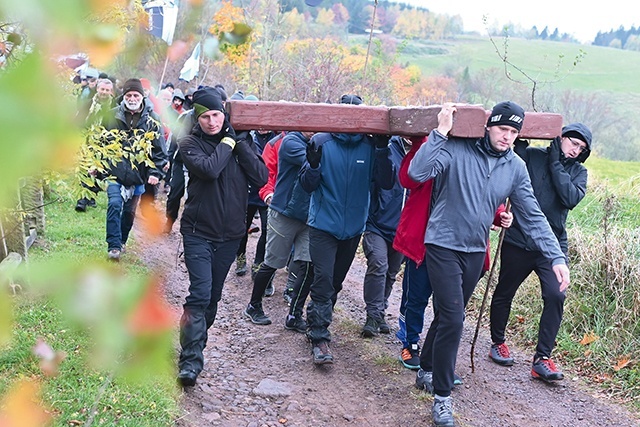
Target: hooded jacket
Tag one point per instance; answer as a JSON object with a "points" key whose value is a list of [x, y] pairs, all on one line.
{"points": [[131, 172], [470, 184], [289, 198], [219, 176], [270, 157], [340, 185], [558, 186], [386, 205]]}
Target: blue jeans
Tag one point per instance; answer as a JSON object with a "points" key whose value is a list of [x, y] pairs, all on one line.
{"points": [[120, 215], [416, 290]]}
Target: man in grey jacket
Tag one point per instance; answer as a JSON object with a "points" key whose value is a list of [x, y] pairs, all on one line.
{"points": [[472, 177]]}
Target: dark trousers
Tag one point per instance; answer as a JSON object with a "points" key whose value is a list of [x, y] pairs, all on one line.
{"points": [[262, 241], [208, 264], [177, 186], [453, 276], [383, 264], [303, 278], [416, 291], [120, 216], [331, 260], [515, 266]]}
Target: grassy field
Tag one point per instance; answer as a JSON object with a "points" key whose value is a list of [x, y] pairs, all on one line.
{"points": [[601, 69], [85, 391]]}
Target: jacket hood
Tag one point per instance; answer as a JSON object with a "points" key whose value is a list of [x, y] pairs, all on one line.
{"points": [[348, 138], [582, 132]]}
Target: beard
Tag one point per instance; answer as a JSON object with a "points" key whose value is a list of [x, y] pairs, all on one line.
{"points": [[133, 105]]}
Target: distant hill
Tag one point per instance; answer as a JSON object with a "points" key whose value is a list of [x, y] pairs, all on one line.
{"points": [[603, 85]]}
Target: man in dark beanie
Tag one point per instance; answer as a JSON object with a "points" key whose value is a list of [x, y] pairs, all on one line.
{"points": [[472, 177], [221, 165], [134, 120], [559, 181]]}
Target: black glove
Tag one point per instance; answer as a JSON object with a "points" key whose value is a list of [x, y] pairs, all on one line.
{"points": [[314, 155], [380, 141], [554, 150], [227, 130], [242, 136]]}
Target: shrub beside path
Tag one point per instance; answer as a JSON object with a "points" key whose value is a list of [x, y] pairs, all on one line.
{"points": [[259, 376]]}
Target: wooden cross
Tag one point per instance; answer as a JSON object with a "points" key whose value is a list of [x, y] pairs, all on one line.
{"points": [[468, 121]]}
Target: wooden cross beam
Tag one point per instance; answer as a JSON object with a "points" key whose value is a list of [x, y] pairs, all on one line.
{"points": [[468, 122]]}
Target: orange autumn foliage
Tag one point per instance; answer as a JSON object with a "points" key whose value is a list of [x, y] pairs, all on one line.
{"points": [[21, 406], [153, 314]]}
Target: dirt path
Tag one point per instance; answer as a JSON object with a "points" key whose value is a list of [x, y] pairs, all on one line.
{"points": [[258, 376]]}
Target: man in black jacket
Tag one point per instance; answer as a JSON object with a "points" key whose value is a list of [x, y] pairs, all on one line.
{"points": [[559, 181], [131, 124], [221, 165]]}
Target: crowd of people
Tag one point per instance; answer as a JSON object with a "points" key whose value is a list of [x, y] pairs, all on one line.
{"points": [[425, 204]]}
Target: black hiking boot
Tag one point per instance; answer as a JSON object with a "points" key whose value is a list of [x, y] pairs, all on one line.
{"points": [[256, 314], [370, 328]]}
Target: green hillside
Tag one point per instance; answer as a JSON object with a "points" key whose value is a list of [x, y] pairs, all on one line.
{"points": [[601, 69], [602, 89]]}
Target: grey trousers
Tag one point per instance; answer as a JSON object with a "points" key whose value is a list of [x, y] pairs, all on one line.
{"points": [[383, 264]]}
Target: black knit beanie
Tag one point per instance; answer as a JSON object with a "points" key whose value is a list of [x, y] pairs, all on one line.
{"points": [[351, 99], [133, 84], [507, 113], [207, 99]]}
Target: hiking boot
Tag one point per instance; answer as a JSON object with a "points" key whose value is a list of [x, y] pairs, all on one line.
{"points": [[187, 378], [442, 411], [254, 271], [81, 206], [295, 323], [91, 203], [270, 290], [383, 327], [241, 265], [114, 255], [424, 380], [256, 314], [500, 354], [370, 328], [287, 295], [544, 369], [322, 353], [410, 357]]}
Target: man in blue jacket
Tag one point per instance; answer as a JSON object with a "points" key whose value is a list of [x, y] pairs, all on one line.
{"points": [[339, 171], [383, 261], [472, 178], [559, 181]]}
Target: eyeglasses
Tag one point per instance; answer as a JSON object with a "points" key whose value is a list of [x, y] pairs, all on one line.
{"points": [[577, 144]]}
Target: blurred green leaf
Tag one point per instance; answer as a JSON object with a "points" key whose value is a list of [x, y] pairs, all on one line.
{"points": [[36, 119]]}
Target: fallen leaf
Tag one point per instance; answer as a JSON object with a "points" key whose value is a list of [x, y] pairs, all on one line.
{"points": [[520, 319], [282, 420], [588, 353], [621, 363], [588, 338]]}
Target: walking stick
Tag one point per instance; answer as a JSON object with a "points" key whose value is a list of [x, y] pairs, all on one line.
{"points": [[486, 291]]}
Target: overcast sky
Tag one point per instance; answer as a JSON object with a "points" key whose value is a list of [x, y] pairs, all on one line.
{"points": [[582, 19]]}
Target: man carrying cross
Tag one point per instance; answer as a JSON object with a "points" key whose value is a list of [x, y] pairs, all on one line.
{"points": [[472, 177]]}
